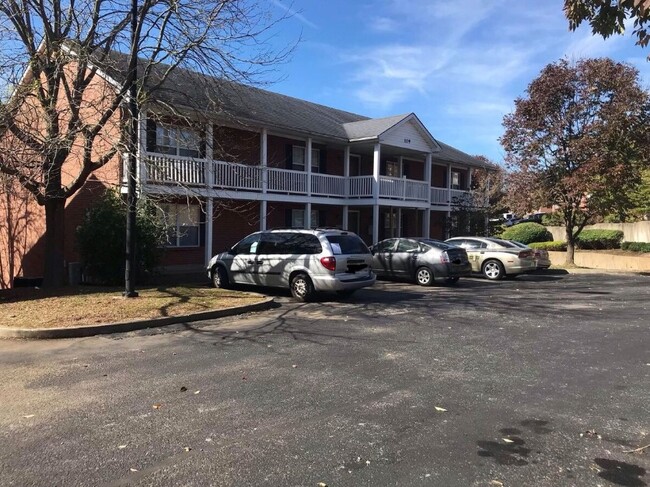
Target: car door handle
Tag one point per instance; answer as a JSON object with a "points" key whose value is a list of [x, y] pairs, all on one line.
{"points": [[250, 261]]}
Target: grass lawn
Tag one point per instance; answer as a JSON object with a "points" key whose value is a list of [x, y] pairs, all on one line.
{"points": [[90, 305]]}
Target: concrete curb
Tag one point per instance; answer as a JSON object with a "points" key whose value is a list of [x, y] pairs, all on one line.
{"points": [[126, 326]]}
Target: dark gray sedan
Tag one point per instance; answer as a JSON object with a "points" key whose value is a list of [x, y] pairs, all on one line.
{"points": [[421, 259]]}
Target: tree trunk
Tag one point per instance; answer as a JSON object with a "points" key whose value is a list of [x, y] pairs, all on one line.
{"points": [[54, 273], [570, 247]]}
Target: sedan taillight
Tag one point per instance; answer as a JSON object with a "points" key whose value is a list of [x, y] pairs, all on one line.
{"points": [[329, 263], [525, 253], [444, 257]]}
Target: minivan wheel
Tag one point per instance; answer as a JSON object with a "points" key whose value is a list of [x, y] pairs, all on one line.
{"points": [[301, 287], [220, 278], [493, 270], [424, 276]]}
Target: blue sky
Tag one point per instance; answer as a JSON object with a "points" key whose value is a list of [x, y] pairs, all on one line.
{"points": [[457, 64]]}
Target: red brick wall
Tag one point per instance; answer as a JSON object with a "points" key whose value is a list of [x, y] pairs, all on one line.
{"points": [[415, 169], [236, 145], [437, 228], [439, 176], [233, 220]]}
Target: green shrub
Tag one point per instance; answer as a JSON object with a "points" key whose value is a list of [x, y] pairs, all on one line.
{"points": [[101, 240], [527, 233], [557, 245], [636, 246], [554, 219], [599, 239]]}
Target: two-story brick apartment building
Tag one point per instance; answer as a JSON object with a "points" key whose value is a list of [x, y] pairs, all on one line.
{"points": [[259, 160]]}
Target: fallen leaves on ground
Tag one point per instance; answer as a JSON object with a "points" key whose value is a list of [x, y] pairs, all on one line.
{"points": [[90, 305], [440, 410]]}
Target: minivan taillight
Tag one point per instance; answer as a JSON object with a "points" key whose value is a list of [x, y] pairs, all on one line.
{"points": [[329, 263]]}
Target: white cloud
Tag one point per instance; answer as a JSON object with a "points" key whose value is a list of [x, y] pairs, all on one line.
{"points": [[294, 13], [384, 24]]}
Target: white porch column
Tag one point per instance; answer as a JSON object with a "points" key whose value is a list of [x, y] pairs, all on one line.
{"points": [[209, 182], [208, 168], [469, 179], [209, 225], [346, 175], [447, 226], [264, 154], [375, 193], [426, 223], [308, 169], [449, 185]]}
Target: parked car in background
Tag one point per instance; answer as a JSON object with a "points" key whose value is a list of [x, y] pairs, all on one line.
{"points": [[542, 260], [495, 258], [419, 259], [305, 261]]}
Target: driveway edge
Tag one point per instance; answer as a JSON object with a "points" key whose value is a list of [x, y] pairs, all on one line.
{"points": [[126, 326]]}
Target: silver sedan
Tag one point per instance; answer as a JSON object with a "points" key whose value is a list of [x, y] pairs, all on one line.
{"points": [[495, 258]]}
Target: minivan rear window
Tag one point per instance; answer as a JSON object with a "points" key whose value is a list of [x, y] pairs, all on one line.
{"points": [[347, 244]]}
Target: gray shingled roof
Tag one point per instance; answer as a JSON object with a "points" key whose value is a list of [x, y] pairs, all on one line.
{"points": [[372, 127], [258, 107]]}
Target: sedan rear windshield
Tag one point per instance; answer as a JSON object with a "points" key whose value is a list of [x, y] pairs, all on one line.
{"points": [[436, 244], [503, 243], [347, 244]]}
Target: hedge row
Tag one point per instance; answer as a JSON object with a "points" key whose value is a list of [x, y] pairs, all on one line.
{"points": [[527, 233], [557, 245], [636, 246], [599, 239]]}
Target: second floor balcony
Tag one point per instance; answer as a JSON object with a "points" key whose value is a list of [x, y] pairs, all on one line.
{"points": [[219, 175]]}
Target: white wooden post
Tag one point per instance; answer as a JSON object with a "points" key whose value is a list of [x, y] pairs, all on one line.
{"points": [[208, 175], [375, 192], [449, 185], [264, 154], [426, 224], [208, 168], [307, 218], [346, 174], [209, 220]]}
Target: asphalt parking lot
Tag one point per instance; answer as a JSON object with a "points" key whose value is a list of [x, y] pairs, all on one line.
{"points": [[542, 381]]}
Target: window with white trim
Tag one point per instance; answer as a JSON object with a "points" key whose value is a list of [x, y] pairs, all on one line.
{"points": [[182, 222], [455, 180], [298, 218], [392, 169], [298, 159], [177, 141]]}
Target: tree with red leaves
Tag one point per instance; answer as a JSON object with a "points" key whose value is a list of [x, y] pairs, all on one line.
{"points": [[578, 140]]}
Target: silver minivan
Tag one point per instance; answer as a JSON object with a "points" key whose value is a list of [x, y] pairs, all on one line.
{"points": [[306, 261]]}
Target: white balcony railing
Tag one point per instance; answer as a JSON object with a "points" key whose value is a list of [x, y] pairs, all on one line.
{"points": [[439, 196], [402, 188], [163, 169], [182, 170], [286, 181], [237, 176], [327, 185], [360, 186]]}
